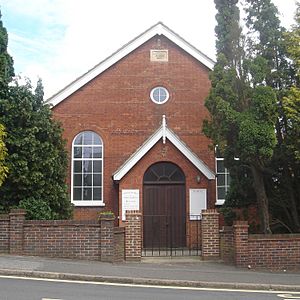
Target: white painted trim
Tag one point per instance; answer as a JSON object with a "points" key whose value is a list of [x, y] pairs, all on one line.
{"points": [[174, 139], [140, 153], [158, 29], [192, 157], [86, 202], [219, 202]]}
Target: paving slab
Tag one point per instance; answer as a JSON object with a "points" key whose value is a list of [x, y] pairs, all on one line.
{"points": [[180, 271]]}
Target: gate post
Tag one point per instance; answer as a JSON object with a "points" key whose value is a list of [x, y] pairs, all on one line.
{"points": [[210, 234], [133, 235]]}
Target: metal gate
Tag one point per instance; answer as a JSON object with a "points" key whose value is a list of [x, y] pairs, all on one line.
{"points": [[167, 239]]}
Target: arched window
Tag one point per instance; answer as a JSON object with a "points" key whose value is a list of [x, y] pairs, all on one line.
{"points": [[87, 169]]}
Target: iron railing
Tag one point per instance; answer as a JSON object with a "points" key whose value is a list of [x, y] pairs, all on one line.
{"points": [[165, 235]]}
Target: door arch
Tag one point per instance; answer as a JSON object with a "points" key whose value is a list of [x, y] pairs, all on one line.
{"points": [[164, 206]]}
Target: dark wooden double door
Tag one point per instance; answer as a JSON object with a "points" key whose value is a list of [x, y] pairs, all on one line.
{"points": [[164, 216]]}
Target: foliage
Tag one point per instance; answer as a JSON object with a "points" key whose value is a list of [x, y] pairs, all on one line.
{"points": [[36, 209], [255, 89], [285, 180], [6, 73], [37, 159], [242, 106], [6, 61], [3, 155]]}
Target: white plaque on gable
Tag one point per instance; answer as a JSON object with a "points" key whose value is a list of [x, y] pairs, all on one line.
{"points": [[159, 55], [197, 203], [130, 201]]}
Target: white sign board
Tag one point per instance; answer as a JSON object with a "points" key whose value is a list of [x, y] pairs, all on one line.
{"points": [[197, 203], [130, 201]]}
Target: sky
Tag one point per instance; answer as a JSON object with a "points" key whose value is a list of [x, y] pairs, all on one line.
{"points": [[59, 40]]}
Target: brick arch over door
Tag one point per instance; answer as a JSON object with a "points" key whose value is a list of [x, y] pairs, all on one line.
{"points": [[164, 206]]}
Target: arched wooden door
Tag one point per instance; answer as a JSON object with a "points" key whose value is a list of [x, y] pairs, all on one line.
{"points": [[164, 209]]}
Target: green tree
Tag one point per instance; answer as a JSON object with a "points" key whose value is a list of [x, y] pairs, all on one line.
{"points": [[242, 107], [37, 159], [285, 193], [6, 73], [3, 155], [278, 48]]}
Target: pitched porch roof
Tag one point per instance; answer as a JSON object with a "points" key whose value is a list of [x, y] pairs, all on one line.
{"points": [[164, 133]]}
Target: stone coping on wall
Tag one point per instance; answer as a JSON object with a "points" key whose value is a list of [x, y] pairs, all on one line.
{"points": [[44, 223], [273, 237]]}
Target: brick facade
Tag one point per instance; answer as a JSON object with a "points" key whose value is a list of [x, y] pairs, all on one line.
{"points": [[94, 240], [116, 105]]}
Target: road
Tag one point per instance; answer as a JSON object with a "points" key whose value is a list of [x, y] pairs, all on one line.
{"points": [[14, 288]]}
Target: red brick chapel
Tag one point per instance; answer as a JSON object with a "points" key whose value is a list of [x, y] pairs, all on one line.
{"points": [[133, 126]]}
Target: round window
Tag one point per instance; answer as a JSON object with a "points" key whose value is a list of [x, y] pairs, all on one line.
{"points": [[159, 95]]}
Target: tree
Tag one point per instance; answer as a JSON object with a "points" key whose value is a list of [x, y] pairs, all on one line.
{"points": [[37, 159], [278, 49], [6, 73], [242, 107], [285, 193], [3, 154]]}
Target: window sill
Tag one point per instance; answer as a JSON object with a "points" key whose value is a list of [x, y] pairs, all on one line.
{"points": [[219, 202], [88, 203]]}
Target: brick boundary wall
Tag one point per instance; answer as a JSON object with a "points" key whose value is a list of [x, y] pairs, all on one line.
{"points": [[261, 251], [66, 239], [276, 252], [133, 235], [240, 242], [226, 244], [106, 245], [92, 240], [4, 233], [119, 246], [210, 234], [16, 227]]}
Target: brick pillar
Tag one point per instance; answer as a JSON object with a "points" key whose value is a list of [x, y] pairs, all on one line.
{"points": [[240, 240], [107, 249], [133, 236], [210, 234], [16, 228], [119, 244]]}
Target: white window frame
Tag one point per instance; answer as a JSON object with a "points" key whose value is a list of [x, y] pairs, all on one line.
{"points": [[226, 185], [152, 95], [86, 202]]}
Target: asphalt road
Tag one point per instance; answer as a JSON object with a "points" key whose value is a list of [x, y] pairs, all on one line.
{"points": [[41, 289]]}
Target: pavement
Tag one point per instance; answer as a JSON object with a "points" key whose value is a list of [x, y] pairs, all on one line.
{"points": [[187, 272]]}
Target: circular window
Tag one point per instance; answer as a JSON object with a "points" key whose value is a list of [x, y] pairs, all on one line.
{"points": [[159, 95]]}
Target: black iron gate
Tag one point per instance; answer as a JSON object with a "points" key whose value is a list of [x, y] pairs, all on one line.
{"points": [[169, 239]]}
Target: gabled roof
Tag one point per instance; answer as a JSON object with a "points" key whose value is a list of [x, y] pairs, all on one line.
{"points": [[163, 132], [157, 29]]}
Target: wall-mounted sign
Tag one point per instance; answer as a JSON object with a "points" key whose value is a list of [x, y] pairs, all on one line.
{"points": [[130, 201], [197, 203], [159, 55]]}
